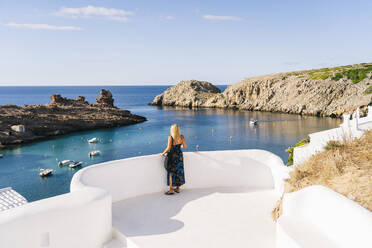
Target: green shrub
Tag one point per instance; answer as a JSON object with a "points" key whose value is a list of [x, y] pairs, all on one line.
{"points": [[290, 150], [331, 145], [368, 90], [337, 76], [324, 76], [356, 75]]}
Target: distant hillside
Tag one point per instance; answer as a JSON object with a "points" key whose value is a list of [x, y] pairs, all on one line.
{"points": [[321, 92]]}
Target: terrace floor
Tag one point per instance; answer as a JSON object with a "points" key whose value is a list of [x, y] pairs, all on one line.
{"points": [[216, 217]]}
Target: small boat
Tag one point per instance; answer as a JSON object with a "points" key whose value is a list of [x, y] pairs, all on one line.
{"points": [[93, 140], [64, 162], [1, 155], [253, 122], [45, 172], [94, 153], [75, 164]]}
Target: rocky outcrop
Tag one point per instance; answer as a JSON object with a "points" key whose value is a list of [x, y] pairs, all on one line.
{"points": [[105, 99], [61, 116], [59, 100], [191, 93], [284, 92]]}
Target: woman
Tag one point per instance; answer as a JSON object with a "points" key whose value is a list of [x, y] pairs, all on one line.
{"points": [[175, 175]]}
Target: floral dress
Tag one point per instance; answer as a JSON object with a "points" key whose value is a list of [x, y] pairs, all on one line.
{"points": [[176, 171]]}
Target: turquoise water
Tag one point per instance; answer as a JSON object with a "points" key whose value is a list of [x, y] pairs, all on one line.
{"points": [[209, 128]]}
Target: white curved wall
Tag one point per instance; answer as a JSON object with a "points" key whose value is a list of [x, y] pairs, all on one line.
{"points": [[74, 220], [320, 217], [141, 175]]}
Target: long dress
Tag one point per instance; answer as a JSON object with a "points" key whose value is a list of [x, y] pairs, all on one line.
{"points": [[176, 171]]}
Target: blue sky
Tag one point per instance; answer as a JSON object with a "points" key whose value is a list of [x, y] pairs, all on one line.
{"points": [[46, 42]]}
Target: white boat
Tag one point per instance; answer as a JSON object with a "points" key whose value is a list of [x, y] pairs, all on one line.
{"points": [[75, 164], [64, 162], [1, 155], [253, 122], [45, 172], [94, 153], [93, 140]]}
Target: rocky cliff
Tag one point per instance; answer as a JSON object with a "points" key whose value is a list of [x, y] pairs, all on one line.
{"points": [[322, 92], [191, 93], [20, 125]]}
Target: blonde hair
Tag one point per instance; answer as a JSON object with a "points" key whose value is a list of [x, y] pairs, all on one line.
{"points": [[175, 133]]}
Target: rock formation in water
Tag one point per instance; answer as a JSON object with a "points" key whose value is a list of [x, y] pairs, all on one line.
{"points": [[20, 125], [105, 99], [191, 93], [323, 92]]}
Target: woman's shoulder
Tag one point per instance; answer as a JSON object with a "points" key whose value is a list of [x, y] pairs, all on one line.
{"points": [[182, 137]]}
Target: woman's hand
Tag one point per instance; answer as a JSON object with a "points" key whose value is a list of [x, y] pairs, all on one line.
{"points": [[161, 154]]}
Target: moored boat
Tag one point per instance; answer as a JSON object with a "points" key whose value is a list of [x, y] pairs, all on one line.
{"points": [[93, 140], [94, 153], [64, 162], [75, 164], [253, 122], [45, 172]]}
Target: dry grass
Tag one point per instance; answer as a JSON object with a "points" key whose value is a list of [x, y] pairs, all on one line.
{"points": [[346, 168]]}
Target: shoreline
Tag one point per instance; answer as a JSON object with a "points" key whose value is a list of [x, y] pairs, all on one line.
{"points": [[31, 123]]}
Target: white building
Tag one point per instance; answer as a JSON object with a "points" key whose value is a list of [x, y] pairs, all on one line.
{"points": [[226, 202]]}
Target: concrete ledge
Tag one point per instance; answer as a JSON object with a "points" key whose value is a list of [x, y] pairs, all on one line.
{"points": [[332, 220]]}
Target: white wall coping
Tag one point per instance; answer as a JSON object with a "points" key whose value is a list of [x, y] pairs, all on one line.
{"points": [[329, 216], [142, 175]]}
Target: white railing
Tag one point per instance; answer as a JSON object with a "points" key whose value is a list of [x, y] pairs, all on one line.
{"points": [[349, 129]]}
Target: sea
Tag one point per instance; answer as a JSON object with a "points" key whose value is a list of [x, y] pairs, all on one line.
{"points": [[207, 129]]}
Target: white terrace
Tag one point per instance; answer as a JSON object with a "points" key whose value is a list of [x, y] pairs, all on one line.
{"points": [[226, 202]]}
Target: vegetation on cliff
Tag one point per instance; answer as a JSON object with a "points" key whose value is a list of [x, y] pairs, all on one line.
{"points": [[355, 73]]}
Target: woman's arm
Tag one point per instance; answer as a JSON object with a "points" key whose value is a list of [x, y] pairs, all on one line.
{"points": [[168, 146], [183, 142]]}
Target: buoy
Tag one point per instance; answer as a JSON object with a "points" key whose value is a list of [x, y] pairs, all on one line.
{"points": [[55, 171], [254, 130], [140, 128], [197, 147], [212, 130], [230, 137]]}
